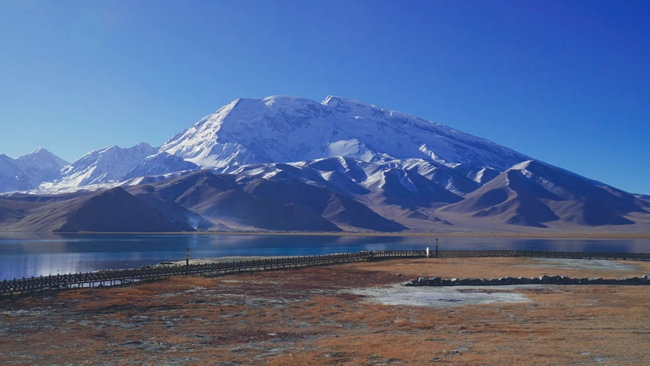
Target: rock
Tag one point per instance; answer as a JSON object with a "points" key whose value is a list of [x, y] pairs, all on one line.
{"points": [[542, 279]]}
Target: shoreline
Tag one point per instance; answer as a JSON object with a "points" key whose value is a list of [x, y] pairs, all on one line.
{"points": [[237, 264]]}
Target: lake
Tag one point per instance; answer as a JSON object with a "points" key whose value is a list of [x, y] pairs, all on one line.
{"points": [[36, 254]]}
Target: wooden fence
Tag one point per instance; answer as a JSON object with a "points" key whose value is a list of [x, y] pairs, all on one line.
{"points": [[150, 273]]}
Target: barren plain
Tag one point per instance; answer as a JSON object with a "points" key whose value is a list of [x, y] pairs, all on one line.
{"points": [[351, 314]]}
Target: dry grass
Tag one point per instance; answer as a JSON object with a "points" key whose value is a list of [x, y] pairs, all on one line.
{"points": [[305, 316]]}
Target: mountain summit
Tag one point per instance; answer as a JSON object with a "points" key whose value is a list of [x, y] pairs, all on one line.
{"points": [[29, 171], [288, 129], [294, 164]]}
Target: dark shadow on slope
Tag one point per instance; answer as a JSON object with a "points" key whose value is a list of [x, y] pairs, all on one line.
{"points": [[115, 210]]}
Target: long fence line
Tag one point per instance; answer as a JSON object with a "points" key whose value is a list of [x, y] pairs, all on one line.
{"points": [[150, 273]]}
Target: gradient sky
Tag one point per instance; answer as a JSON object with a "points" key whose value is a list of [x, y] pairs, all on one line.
{"points": [[566, 82]]}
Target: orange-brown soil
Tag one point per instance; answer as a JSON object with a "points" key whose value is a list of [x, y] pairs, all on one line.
{"points": [[307, 316]]}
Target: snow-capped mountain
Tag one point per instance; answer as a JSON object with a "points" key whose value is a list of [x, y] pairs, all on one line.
{"points": [[41, 165], [287, 129], [29, 171], [108, 165], [11, 177], [285, 163]]}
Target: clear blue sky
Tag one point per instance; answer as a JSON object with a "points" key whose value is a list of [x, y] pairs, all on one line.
{"points": [[566, 82]]}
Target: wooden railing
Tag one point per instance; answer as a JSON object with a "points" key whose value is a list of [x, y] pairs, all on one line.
{"points": [[150, 273]]}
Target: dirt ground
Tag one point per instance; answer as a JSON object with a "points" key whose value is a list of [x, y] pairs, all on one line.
{"points": [[321, 316]]}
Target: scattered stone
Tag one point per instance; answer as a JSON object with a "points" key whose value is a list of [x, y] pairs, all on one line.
{"points": [[542, 279]]}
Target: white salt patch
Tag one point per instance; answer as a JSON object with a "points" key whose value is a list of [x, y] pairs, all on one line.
{"points": [[593, 264], [439, 297]]}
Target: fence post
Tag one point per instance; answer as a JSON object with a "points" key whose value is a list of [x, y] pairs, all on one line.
{"points": [[187, 261], [436, 248]]}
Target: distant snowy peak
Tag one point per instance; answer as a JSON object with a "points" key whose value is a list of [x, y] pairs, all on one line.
{"points": [[42, 158], [105, 165], [30, 170], [11, 177], [41, 166], [286, 129]]}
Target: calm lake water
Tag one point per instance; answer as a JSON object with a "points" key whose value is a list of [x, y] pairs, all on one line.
{"points": [[36, 254]]}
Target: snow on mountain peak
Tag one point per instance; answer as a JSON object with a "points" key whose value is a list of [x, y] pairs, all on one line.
{"points": [[109, 164], [43, 158], [349, 105], [264, 130], [522, 165], [28, 171], [286, 129]]}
